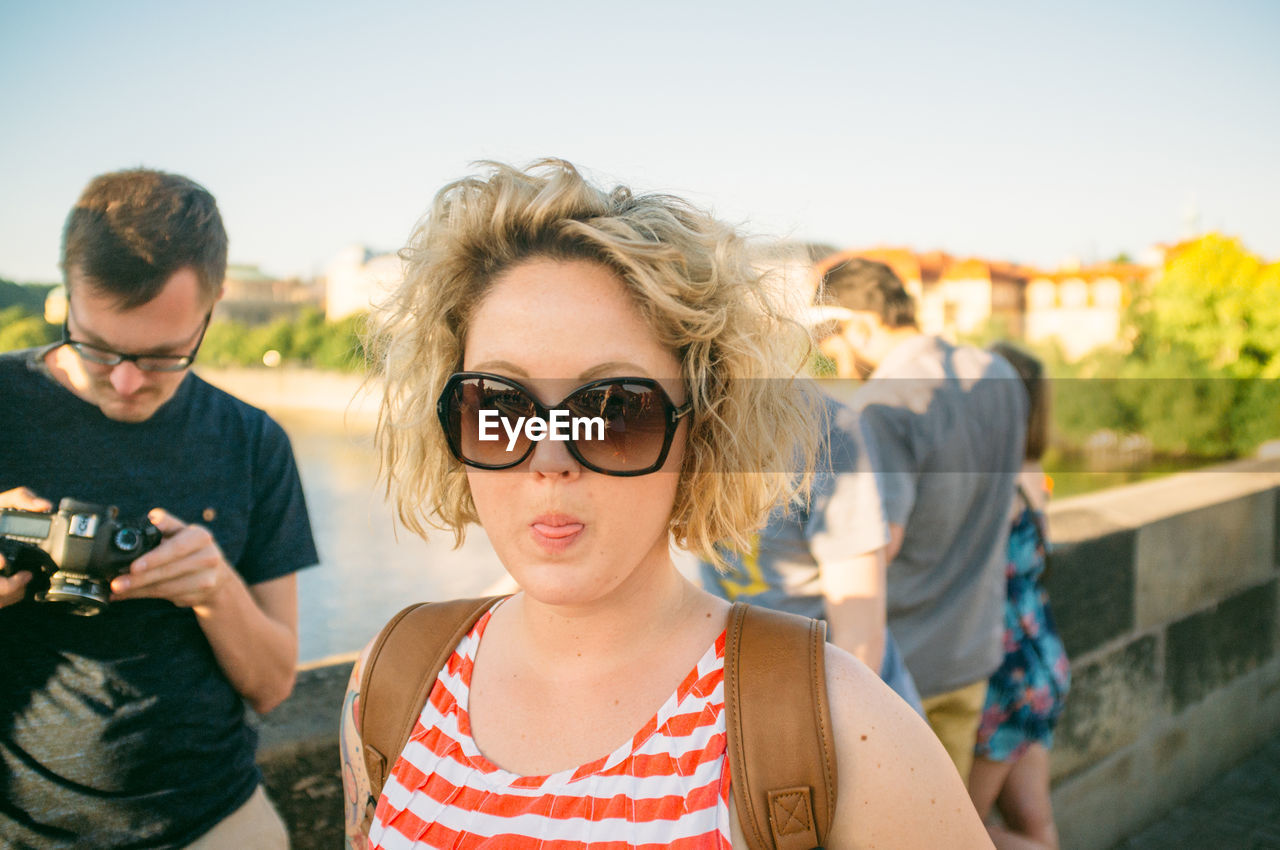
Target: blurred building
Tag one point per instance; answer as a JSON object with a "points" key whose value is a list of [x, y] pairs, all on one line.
{"points": [[252, 297], [358, 278], [1082, 308]]}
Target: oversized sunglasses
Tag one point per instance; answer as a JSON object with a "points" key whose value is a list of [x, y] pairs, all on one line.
{"points": [[614, 426]]}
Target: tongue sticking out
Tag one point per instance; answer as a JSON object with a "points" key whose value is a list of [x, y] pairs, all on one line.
{"points": [[557, 532]]}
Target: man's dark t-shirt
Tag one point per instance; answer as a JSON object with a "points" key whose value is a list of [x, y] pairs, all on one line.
{"points": [[121, 730]]}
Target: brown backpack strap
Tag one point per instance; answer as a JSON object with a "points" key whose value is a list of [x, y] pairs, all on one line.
{"points": [[782, 758], [404, 661]]}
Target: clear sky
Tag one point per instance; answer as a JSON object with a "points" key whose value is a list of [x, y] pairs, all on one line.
{"points": [[1026, 131]]}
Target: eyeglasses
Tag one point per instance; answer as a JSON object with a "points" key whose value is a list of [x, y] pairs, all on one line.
{"points": [[614, 426], [145, 362]]}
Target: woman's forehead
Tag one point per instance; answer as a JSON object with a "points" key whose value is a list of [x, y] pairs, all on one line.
{"points": [[550, 318]]}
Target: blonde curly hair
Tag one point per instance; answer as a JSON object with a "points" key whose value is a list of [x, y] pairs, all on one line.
{"points": [[753, 430]]}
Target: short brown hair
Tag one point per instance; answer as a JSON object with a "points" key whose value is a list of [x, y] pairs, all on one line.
{"points": [[868, 286], [131, 230]]}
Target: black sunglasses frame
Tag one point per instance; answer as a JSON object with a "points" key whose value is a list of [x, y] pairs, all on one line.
{"points": [[672, 417], [180, 361]]}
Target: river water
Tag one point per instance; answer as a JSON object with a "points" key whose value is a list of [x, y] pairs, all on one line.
{"points": [[368, 569]]}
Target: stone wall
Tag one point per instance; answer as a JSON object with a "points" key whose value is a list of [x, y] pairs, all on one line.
{"points": [[298, 754], [1166, 596], [1166, 593]]}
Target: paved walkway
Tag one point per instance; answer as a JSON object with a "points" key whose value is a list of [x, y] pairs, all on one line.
{"points": [[1238, 810]]}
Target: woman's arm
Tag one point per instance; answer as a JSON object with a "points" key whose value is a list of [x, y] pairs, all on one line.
{"points": [[897, 786], [355, 780]]}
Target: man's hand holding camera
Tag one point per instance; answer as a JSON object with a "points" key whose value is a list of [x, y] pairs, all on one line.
{"points": [[188, 568], [13, 588]]}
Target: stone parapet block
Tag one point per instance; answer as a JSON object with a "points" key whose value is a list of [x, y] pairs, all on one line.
{"points": [[1204, 554], [298, 755], [1113, 699], [1209, 649], [311, 712], [1091, 590], [1113, 551], [1149, 502]]}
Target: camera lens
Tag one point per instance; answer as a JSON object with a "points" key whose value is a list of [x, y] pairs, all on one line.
{"points": [[127, 539], [82, 595]]}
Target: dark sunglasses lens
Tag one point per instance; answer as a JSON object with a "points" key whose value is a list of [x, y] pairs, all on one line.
{"points": [[481, 414], [634, 429]]}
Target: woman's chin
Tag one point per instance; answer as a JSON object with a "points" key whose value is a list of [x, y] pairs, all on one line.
{"points": [[561, 584]]}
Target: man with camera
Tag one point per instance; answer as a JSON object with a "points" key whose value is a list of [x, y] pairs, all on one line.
{"points": [[127, 727]]}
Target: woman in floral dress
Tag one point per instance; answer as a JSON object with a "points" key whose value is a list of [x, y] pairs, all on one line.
{"points": [[1025, 696]]}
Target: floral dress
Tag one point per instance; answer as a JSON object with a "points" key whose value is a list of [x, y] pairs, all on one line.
{"points": [[1025, 696]]}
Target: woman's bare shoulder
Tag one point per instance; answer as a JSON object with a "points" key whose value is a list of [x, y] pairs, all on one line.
{"points": [[897, 787]]}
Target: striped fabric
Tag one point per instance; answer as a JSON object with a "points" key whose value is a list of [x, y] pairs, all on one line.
{"points": [[666, 787]]}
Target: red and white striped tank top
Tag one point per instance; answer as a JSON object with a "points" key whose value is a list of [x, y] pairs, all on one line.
{"points": [[666, 787]]}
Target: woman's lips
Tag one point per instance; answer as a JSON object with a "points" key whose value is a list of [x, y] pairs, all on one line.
{"points": [[555, 533]]}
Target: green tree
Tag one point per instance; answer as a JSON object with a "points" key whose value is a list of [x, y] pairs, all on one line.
{"points": [[29, 296], [223, 344], [342, 348], [19, 328], [305, 340], [1203, 374], [1207, 299]]}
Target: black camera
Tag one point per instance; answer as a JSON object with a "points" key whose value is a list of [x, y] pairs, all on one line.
{"points": [[73, 554]]}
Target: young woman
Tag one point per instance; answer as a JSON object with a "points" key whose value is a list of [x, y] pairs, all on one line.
{"points": [[587, 710], [1025, 696]]}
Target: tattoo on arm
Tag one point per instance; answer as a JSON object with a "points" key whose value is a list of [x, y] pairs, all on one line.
{"points": [[355, 780]]}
